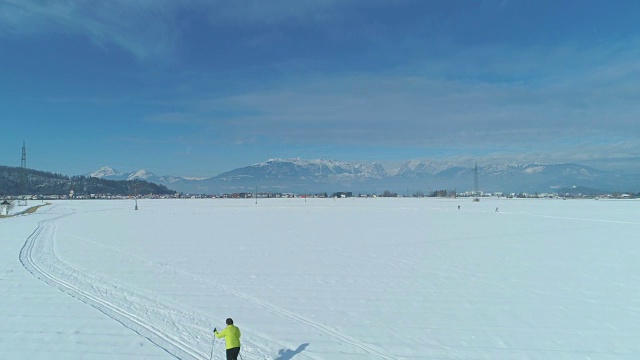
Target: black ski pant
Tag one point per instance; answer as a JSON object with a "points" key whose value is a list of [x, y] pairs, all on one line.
{"points": [[232, 354]]}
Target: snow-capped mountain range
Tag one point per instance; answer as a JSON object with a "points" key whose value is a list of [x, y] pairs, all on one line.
{"points": [[319, 175], [109, 173]]}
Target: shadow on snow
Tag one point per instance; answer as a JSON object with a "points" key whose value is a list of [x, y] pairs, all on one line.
{"points": [[287, 354]]}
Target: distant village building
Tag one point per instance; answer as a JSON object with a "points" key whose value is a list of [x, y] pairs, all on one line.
{"points": [[4, 208]]}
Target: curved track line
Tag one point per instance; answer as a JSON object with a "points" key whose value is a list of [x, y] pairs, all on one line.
{"points": [[29, 257], [148, 317], [126, 307]]}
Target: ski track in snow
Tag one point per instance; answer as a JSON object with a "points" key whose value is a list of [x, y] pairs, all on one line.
{"points": [[180, 334], [283, 312]]}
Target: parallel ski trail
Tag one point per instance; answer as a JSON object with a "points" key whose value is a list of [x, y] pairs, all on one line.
{"points": [[296, 317], [181, 335]]}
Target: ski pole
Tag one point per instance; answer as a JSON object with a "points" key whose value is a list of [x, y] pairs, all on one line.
{"points": [[213, 342]]}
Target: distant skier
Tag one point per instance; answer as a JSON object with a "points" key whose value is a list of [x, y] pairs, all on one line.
{"points": [[496, 209], [231, 335], [458, 207]]}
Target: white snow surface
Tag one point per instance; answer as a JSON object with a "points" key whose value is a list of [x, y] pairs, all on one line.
{"points": [[335, 279]]}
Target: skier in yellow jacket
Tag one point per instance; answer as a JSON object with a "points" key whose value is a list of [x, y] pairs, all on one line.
{"points": [[231, 335]]}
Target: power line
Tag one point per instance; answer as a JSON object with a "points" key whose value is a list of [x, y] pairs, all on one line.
{"points": [[23, 173]]}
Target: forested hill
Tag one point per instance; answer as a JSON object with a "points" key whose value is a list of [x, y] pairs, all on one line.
{"points": [[46, 183]]}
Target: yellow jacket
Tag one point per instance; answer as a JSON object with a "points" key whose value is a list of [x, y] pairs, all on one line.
{"points": [[231, 335]]}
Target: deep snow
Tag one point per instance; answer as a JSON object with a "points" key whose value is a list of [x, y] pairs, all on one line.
{"points": [[323, 279]]}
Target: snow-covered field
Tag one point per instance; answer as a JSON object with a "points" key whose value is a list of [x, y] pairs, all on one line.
{"points": [[342, 279]]}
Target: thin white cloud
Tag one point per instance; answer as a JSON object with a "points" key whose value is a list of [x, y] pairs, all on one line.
{"points": [[579, 106], [269, 12], [144, 28], [421, 111]]}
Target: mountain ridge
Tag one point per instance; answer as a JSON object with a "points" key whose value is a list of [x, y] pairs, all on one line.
{"points": [[320, 175], [46, 183]]}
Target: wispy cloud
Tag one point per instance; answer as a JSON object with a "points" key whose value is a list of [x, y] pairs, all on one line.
{"points": [[271, 12], [581, 101], [423, 111], [144, 28]]}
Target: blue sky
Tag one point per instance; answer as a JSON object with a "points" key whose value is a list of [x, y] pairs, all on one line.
{"points": [[196, 88]]}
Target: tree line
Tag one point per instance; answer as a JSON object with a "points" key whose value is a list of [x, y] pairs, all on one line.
{"points": [[46, 183]]}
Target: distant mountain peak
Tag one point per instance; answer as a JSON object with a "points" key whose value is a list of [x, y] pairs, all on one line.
{"points": [[303, 162], [140, 174], [418, 168], [104, 171], [297, 169]]}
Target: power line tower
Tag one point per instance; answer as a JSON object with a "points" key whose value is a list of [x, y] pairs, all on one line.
{"points": [[475, 180], [23, 174], [135, 186]]}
